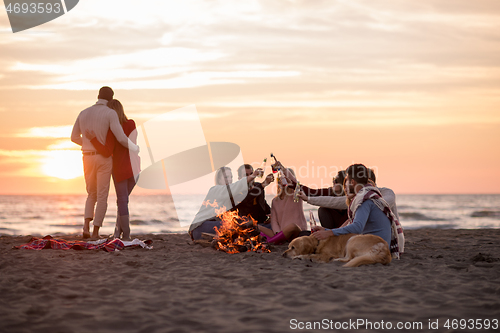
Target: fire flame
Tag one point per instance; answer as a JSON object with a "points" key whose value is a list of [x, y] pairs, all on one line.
{"points": [[238, 233]]}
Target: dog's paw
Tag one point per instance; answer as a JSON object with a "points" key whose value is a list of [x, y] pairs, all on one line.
{"points": [[341, 259], [300, 257]]}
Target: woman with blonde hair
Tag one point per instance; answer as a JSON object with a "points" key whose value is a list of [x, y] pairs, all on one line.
{"points": [[287, 216], [126, 167]]}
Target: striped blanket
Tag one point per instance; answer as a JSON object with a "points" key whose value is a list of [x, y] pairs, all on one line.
{"points": [[372, 193], [108, 245]]}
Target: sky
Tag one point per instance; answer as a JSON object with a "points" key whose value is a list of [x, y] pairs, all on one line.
{"points": [[409, 88]]}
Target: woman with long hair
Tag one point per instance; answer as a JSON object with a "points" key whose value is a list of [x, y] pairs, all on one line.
{"points": [[126, 167], [287, 216]]}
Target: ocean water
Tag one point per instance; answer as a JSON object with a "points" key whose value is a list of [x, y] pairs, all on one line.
{"points": [[40, 215]]}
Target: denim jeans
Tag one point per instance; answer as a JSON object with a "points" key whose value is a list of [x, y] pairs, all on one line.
{"points": [[123, 190]]}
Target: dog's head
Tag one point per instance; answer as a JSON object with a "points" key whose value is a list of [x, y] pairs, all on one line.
{"points": [[301, 245]]}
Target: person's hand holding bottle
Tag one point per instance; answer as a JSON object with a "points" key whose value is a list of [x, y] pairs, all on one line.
{"points": [[256, 173], [269, 179]]}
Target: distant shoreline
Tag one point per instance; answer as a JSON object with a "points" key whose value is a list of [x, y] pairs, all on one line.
{"points": [[74, 236], [63, 214]]}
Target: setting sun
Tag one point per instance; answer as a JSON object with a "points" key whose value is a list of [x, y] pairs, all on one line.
{"points": [[63, 164]]}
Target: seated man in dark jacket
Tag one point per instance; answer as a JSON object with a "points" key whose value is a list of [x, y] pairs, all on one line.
{"points": [[255, 203], [329, 217]]}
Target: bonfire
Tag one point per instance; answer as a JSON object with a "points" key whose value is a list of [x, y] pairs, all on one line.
{"points": [[237, 233]]}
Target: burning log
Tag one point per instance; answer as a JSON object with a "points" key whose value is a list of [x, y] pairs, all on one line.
{"points": [[204, 243]]}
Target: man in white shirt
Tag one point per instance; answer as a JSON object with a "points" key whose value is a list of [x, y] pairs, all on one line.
{"points": [[97, 168]]}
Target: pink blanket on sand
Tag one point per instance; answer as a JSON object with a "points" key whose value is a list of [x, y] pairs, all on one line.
{"points": [[107, 245]]}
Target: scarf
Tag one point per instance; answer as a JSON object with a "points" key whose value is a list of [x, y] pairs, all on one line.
{"points": [[372, 193]]}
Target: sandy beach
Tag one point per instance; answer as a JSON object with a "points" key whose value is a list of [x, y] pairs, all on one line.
{"points": [[181, 287]]}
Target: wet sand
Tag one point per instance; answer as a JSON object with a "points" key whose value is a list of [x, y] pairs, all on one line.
{"points": [[181, 287]]}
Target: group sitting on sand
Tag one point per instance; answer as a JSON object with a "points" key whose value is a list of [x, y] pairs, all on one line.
{"points": [[354, 205]]}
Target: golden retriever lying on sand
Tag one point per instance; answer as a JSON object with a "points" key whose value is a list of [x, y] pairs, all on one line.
{"points": [[356, 250]]}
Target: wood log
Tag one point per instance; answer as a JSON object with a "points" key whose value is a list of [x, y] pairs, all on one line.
{"points": [[206, 235], [203, 242]]}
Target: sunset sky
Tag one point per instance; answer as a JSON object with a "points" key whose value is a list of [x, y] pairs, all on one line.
{"points": [[411, 88]]}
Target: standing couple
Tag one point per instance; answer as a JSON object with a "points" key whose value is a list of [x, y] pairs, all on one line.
{"points": [[109, 148]]}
